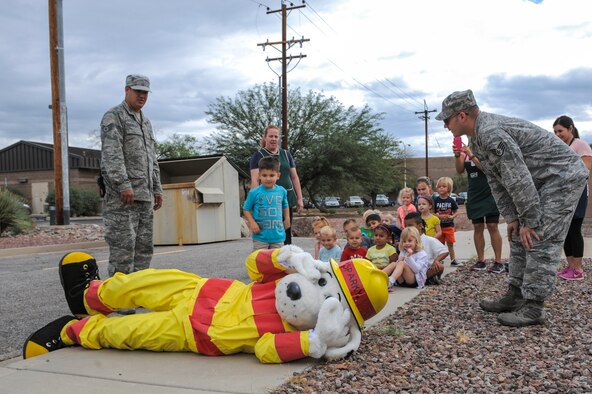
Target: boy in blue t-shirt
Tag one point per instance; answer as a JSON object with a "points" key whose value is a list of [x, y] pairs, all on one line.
{"points": [[266, 205]]}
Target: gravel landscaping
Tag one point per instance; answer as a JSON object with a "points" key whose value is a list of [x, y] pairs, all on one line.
{"points": [[52, 235], [441, 342]]}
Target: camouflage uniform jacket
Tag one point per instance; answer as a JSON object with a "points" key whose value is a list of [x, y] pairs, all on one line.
{"points": [[520, 160], [128, 154]]}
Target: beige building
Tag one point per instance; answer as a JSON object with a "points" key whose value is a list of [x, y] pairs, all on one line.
{"points": [[27, 167]]}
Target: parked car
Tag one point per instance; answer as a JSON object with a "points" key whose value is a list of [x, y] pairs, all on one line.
{"points": [[331, 202], [463, 195], [382, 200], [459, 200], [353, 201], [308, 203], [367, 202]]}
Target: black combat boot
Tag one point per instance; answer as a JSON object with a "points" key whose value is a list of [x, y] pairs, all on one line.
{"points": [[511, 301], [532, 312]]}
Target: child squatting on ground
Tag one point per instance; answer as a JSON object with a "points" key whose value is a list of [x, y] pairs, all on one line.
{"points": [[266, 206], [446, 209]]}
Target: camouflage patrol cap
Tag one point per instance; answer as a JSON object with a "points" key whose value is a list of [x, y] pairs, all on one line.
{"points": [[138, 82], [456, 102]]}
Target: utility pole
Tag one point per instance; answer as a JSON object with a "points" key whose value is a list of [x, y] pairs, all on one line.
{"points": [[285, 60], [59, 113], [425, 117]]}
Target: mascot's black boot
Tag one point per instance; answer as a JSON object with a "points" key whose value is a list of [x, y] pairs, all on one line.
{"points": [[511, 301], [46, 339], [532, 312], [77, 270]]}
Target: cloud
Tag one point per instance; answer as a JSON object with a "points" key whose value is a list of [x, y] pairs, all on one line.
{"points": [[389, 55], [540, 97]]}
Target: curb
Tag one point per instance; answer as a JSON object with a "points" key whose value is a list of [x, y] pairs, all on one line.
{"points": [[11, 252]]}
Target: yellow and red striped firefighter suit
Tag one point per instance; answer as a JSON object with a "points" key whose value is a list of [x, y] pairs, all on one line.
{"points": [[207, 316]]}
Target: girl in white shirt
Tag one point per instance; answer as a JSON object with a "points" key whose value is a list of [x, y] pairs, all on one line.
{"points": [[413, 263]]}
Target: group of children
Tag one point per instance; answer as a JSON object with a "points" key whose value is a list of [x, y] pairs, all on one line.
{"points": [[405, 247], [409, 248]]}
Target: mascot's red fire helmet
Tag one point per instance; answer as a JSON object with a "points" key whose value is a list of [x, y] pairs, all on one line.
{"points": [[365, 287]]}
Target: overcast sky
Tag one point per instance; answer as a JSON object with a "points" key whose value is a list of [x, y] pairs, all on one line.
{"points": [[524, 58]]}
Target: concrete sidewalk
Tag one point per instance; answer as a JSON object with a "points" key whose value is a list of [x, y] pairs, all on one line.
{"points": [[97, 371]]}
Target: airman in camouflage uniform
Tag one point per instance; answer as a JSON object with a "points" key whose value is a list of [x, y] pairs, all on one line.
{"points": [[132, 180], [536, 180]]}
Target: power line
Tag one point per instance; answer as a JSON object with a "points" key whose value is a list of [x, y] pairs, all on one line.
{"points": [[425, 118], [405, 96], [320, 17], [353, 78], [260, 4], [285, 60]]}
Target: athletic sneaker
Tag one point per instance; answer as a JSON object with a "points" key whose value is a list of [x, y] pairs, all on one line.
{"points": [[456, 263], [507, 266], [573, 274], [564, 271], [479, 266], [496, 268]]}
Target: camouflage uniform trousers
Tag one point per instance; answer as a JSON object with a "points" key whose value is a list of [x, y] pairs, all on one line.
{"points": [[534, 270], [129, 234]]}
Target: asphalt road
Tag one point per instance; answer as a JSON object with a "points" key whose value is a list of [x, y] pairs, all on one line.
{"points": [[31, 294]]}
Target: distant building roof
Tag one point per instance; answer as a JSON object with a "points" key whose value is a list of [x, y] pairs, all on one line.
{"points": [[38, 156]]}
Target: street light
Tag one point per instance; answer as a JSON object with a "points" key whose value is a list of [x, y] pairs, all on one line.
{"points": [[404, 161]]}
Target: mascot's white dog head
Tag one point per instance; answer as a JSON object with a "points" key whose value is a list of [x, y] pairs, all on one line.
{"points": [[332, 299]]}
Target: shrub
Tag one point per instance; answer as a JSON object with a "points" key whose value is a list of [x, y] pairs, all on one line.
{"points": [[13, 215], [83, 202]]}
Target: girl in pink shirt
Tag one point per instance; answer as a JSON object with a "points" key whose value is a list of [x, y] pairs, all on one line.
{"points": [[406, 201]]}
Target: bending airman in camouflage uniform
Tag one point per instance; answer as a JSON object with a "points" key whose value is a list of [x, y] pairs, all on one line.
{"points": [[132, 180], [536, 180]]}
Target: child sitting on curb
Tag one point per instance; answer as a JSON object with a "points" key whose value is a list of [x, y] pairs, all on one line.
{"points": [[412, 265], [317, 225], [382, 253], [329, 249], [354, 248]]}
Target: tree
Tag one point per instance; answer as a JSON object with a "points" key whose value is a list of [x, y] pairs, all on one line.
{"points": [[178, 146], [338, 150]]}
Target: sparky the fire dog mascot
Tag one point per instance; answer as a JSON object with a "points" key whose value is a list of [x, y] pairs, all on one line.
{"points": [[295, 307]]}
